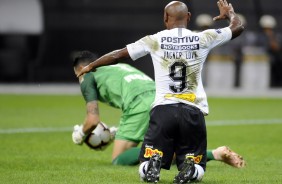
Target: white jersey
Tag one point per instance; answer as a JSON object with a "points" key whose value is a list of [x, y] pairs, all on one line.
{"points": [[178, 56]]}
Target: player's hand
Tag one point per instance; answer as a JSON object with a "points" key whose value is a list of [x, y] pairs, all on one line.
{"points": [[78, 135], [225, 9], [84, 70]]}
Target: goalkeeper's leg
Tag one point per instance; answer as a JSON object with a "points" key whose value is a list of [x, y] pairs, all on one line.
{"points": [[132, 127], [226, 155], [125, 153]]}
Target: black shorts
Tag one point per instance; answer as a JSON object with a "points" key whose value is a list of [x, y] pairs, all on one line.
{"points": [[176, 128]]}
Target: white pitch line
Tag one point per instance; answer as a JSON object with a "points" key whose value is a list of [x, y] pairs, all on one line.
{"points": [[209, 123], [35, 130], [243, 122]]}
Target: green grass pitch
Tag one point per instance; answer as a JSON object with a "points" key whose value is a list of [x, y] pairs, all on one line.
{"points": [[36, 145]]}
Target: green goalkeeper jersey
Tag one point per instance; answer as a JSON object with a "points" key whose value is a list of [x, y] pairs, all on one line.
{"points": [[116, 85]]}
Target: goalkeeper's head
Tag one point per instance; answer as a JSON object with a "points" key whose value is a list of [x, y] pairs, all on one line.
{"points": [[82, 59]]}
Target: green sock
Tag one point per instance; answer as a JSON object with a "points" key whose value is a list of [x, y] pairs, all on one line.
{"points": [[129, 157], [210, 155]]}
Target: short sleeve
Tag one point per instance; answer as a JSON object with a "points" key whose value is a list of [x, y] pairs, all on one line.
{"points": [[215, 37], [88, 88], [139, 48]]}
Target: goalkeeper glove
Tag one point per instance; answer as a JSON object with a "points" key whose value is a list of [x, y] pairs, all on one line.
{"points": [[78, 135]]}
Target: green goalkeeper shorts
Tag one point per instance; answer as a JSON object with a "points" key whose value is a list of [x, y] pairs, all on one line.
{"points": [[135, 119]]}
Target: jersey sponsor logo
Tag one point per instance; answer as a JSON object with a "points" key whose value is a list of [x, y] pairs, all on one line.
{"points": [[131, 77], [191, 97], [123, 67], [185, 39], [197, 159], [149, 152], [180, 47]]}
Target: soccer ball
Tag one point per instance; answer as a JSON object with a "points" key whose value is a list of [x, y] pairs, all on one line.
{"points": [[99, 138]]}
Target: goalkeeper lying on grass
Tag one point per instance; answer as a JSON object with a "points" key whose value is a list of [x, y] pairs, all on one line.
{"points": [[124, 87]]}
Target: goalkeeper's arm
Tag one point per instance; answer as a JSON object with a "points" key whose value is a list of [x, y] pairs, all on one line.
{"points": [[91, 121]]}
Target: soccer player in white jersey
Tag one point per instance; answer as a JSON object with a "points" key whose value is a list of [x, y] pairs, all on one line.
{"points": [[177, 123]]}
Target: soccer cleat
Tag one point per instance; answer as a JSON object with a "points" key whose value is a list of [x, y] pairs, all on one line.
{"points": [[185, 175], [226, 155], [152, 174]]}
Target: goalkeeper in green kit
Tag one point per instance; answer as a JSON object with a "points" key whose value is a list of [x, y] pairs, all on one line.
{"points": [[124, 87]]}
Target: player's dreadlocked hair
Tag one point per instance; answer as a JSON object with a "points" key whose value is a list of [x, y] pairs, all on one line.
{"points": [[83, 57]]}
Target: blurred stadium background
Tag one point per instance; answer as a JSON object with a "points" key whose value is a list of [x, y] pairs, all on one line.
{"points": [[37, 38]]}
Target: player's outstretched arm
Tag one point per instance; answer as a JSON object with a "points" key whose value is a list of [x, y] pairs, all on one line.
{"points": [[108, 59], [226, 11]]}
